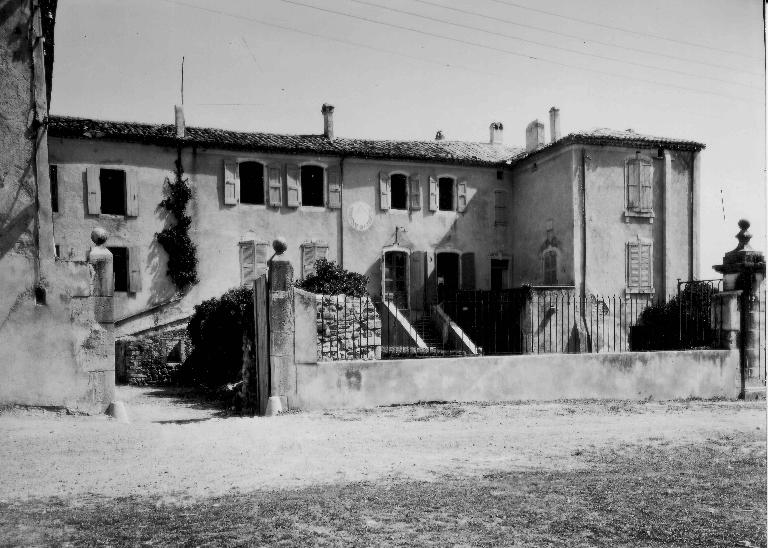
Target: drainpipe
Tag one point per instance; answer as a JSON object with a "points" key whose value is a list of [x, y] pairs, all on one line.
{"points": [[583, 266], [341, 212]]}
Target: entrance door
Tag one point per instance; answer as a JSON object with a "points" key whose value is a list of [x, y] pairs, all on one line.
{"points": [[396, 278], [447, 273]]}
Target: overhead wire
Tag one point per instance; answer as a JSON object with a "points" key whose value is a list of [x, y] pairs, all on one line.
{"points": [[551, 46]]}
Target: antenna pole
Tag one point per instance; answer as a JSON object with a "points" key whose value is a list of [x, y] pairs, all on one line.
{"points": [[182, 79]]}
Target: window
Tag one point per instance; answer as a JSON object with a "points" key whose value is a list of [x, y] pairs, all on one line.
{"points": [[120, 267], [112, 185], [549, 266], [399, 191], [499, 272], [53, 175], [310, 252], [638, 187], [500, 208], [639, 267], [445, 193], [251, 183], [253, 260], [312, 182]]}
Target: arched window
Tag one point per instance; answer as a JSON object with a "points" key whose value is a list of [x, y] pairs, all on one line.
{"points": [[445, 193], [399, 191], [251, 183], [312, 182]]}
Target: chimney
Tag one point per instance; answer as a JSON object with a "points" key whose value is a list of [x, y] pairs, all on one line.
{"points": [[554, 124], [497, 133], [327, 111], [534, 136], [181, 129], [439, 136]]}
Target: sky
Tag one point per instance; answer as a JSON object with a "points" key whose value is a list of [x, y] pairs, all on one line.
{"points": [[402, 69]]}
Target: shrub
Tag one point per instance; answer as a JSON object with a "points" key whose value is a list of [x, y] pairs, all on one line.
{"points": [[682, 322], [331, 279], [216, 332]]}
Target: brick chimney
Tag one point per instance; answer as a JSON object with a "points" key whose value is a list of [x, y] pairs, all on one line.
{"points": [[554, 124], [327, 111], [534, 136], [497, 133], [181, 129]]}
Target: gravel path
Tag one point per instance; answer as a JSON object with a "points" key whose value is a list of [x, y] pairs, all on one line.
{"points": [[183, 449]]}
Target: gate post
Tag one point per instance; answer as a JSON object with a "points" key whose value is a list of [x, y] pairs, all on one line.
{"points": [[281, 329], [740, 321]]}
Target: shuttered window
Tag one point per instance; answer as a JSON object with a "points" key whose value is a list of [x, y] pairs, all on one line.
{"points": [[310, 253], [231, 183], [113, 191], [398, 187], [639, 189], [414, 186], [334, 188], [274, 177], [461, 196], [384, 193], [639, 266], [253, 260], [499, 207], [432, 194]]}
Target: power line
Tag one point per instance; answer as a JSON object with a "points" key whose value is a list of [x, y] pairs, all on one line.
{"points": [[623, 29], [543, 44], [581, 38], [510, 52]]}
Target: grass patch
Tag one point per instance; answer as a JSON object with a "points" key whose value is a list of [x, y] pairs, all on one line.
{"points": [[708, 494]]}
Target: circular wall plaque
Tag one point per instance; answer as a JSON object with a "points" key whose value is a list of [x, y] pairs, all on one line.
{"points": [[360, 216]]}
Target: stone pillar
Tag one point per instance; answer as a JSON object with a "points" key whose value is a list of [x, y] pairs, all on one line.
{"points": [[100, 259], [743, 272], [281, 330]]}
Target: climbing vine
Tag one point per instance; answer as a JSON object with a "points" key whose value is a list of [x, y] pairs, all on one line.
{"points": [[182, 253]]}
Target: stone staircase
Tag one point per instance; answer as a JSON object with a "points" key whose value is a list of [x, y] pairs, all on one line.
{"points": [[426, 330]]}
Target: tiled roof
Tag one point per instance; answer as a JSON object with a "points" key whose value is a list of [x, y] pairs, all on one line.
{"points": [[605, 136], [454, 152]]}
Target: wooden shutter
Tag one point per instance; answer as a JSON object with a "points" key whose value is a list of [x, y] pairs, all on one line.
{"points": [[384, 194], [645, 266], [646, 192], [134, 269], [418, 275], [274, 175], [633, 184], [461, 196], [414, 188], [307, 260], [321, 250], [293, 185], [499, 208], [131, 194], [334, 188], [230, 183], [633, 265], [432, 193], [468, 271], [94, 189], [247, 262], [261, 256]]}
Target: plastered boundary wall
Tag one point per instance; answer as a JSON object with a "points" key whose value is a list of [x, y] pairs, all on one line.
{"points": [[636, 375]]}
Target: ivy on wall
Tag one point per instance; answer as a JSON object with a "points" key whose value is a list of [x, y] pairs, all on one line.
{"points": [[182, 253]]}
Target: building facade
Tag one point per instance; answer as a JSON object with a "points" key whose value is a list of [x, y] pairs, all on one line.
{"points": [[603, 211]]}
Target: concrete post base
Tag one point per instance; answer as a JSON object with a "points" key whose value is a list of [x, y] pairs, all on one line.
{"points": [[274, 406]]}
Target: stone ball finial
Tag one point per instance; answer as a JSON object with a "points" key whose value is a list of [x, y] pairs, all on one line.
{"points": [[744, 224], [279, 244], [99, 235], [744, 236]]}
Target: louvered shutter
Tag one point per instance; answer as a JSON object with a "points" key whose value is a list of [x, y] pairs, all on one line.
{"points": [[414, 188], [131, 195], [134, 269], [261, 256], [418, 273], [645, 266], [230, 183], [307, 260], [247, 262], [633, 184], [432, 193], [321, 250], [94, 189], [633, 265], [499, 208], [468, 271], [461, 196], [384, 194], [293, 185], [334, 188], [646, 192], [274, 173]]}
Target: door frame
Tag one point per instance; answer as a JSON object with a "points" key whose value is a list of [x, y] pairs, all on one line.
{"points": [[397, 249]]}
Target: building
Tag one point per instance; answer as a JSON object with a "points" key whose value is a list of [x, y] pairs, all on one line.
{"points": [[604, 211]]}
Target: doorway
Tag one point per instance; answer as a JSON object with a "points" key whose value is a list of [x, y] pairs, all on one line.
{"points": [[447, 274], [396, 278]]}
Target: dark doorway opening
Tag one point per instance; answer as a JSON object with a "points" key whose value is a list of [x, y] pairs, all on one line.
{"points": [[447, 273]]}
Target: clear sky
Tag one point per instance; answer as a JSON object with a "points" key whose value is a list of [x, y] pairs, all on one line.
{"points": [[401, 69]]}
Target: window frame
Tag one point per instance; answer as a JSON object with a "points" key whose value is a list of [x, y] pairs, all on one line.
{"points": [[323, 182], [454, 180], [632, 210], [124, 212], [638, 289], [264, 182], [407, 191]]}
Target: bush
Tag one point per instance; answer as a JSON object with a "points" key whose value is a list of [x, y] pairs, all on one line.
{"points": [[331, 279], [682, 322], [216, 332]]}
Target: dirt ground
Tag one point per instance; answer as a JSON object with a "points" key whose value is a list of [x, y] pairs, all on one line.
{"points": [[181, 449]]}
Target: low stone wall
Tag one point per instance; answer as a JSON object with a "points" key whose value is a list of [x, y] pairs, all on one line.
{"points": [[348, 328], [150, 359], [631, 375]]}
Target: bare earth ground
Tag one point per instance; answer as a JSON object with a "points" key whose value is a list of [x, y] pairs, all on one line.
{"points": [[574, 473]]}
